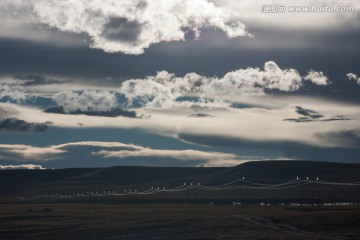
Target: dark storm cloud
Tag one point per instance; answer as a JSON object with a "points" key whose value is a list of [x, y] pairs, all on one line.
{"points": [[200, 115], [116, 112], [300, 119], [307, 39], [337, 118], [306, 119], [243, 105], [180, 57], [288, 149], [13, 124], [307, 112], [308, 115], [121, 29], [349, 137], [32, 79], [18, 125], [313, 116]]}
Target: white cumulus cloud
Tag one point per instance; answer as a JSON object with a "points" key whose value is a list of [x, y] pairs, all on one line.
{"points": [[317, 77], [130, 26], [354, 77], [163, 89], [86, 100], [14, 93]]}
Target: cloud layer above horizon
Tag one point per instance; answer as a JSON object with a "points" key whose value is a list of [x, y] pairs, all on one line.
{"points": [[89, 83], [244, 105]]}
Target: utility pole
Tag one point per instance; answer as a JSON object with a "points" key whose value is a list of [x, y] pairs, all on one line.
{"points": [[238, 190], [313, 191], [187, 192], [301, 192], [195, 193], [161, 193], [233, 193], [243, 191]]}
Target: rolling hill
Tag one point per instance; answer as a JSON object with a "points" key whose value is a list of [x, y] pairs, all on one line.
{"points": [[65, 181]]}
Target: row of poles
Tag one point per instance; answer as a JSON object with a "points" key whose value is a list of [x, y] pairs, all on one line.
{"points": [[240, 183]]}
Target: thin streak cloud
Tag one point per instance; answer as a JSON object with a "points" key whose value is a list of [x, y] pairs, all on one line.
{"points": [[25, 153]]}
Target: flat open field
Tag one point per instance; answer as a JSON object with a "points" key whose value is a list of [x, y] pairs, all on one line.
{"points": [[82, 221]]}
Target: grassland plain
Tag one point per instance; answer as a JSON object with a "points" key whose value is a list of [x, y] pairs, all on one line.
{"points": [[106, 221]]}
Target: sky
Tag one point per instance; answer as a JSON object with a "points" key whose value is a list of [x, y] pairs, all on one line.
{"points": [[206, 83]]}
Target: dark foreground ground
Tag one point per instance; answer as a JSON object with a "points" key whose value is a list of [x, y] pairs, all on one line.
{"points": [[81, 221]]}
